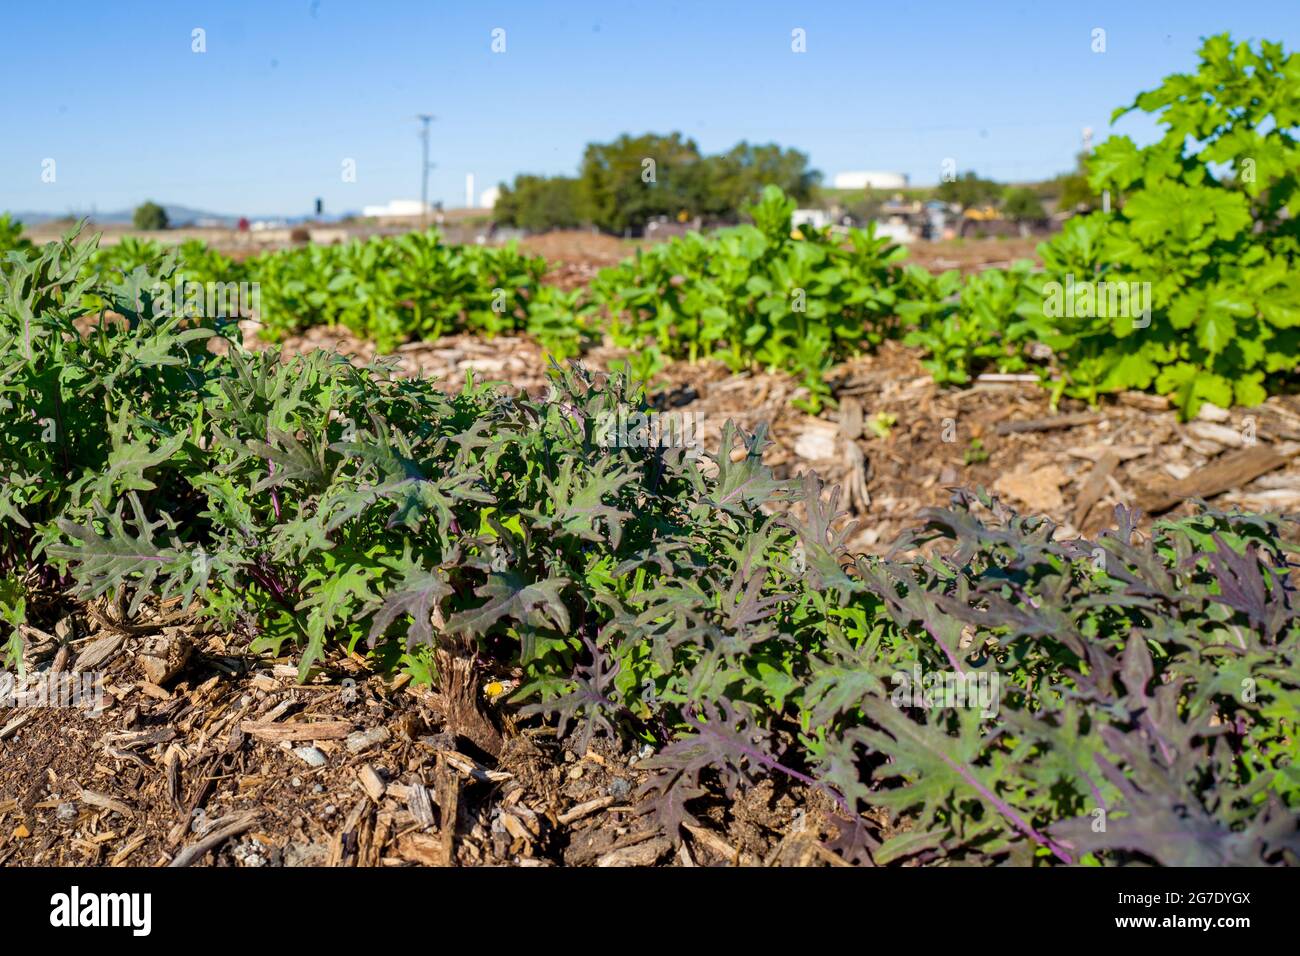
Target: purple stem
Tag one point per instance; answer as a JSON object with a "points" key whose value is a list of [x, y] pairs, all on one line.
{"points": [[1017, 821], [275, 498]]}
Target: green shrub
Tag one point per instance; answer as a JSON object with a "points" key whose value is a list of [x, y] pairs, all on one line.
{"points": [[755, 295], [149, 216]]}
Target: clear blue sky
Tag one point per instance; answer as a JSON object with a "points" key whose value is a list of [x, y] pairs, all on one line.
{"points": [[288, 89]]}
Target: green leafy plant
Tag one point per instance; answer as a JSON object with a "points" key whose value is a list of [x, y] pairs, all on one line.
{"points": [[755, 295], [976, 453], [11, 236], [967, 328], [1189, 287]]}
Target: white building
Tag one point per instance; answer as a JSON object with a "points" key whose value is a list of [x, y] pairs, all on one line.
{"points": [[870, 179], [817, 218], [487, 199], [397, 209]]}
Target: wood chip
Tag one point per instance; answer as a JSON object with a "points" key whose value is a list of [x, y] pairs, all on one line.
{"points": [[459, 762], [372, 783], [515, 827], [365, 739], [424, 849], [105, 802], [1221, 435], [1054, 423], [196, 850], [276, 733], [133, 844], [130, 739], [11, 728], [1122, 452], [642, 854], [1094, 487], [1230, 470], [1144, 401], [98, 653], [417, 801], [448, 808]]}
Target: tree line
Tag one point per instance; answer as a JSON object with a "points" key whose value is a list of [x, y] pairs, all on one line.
{"points": [[623, 185]]}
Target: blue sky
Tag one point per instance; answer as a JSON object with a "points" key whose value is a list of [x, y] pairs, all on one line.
{"points": [[288, 89]]}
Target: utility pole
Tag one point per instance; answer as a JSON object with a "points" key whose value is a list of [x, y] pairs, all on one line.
{"points": [[425, 119]]}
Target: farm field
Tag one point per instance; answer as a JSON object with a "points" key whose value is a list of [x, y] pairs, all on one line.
{"points": [[771, 546]]}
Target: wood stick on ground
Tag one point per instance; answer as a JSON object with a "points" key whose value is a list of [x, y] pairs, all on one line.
{"points": [[710, 840], [1054, 423], [585, 810], [195, 851], [1228, 471], [1093, 488], [448, 791], [276, 733]]}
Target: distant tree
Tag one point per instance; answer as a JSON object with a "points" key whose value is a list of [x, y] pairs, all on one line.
{"points": [[720, 186], [1073, 190], [150, 216], [628, 182], [539, 203], [1022, 205], [624, 184], [969, 190]]}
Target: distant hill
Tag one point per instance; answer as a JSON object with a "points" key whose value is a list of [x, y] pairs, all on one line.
{"points": [[176, 216]]}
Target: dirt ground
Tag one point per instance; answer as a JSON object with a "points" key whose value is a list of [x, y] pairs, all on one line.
{"points": [[231, 762]]}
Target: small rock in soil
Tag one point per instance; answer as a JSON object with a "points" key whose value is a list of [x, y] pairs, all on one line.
{"points": [[365, 739], [310, 756], [619, 789], [249, 854]]}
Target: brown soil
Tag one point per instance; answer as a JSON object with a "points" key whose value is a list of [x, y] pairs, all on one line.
{"points": [[972, 255], [379, 780], [577, 246]]}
